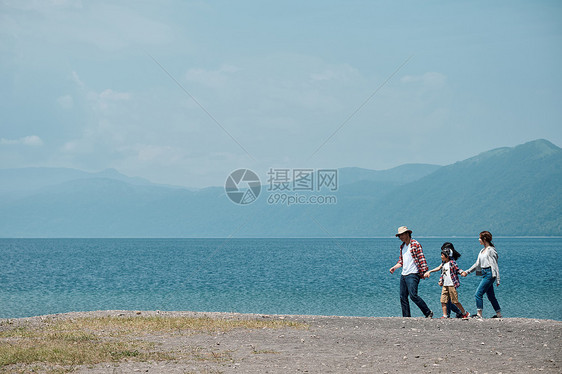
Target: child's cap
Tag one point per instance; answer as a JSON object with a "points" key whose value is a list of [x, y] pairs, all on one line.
{"points": [[447, 252]]}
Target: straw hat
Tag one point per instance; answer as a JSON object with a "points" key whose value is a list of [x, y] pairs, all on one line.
{"points": [[402, 230]]}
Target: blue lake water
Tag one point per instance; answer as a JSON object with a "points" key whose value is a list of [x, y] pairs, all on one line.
{"points": [[271, 276]]}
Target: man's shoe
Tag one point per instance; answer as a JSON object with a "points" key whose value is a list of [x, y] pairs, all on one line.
{"points": [[466, 315], [430, 315]]}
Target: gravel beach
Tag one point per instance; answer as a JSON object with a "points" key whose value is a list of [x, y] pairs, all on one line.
{"points": [[331, 344]]}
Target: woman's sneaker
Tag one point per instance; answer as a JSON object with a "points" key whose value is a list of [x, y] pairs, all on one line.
{"points": [[466, 315]]}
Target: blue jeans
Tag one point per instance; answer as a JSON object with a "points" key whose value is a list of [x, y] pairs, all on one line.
{"points": [[409, 287], [486, 287], [453, 308]]}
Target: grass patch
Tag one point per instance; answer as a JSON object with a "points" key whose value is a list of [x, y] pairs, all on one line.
{"points": [[116, 326], [70, 348], [89, 341]]}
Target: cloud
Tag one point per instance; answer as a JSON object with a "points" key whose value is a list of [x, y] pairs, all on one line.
{"points": [[162, 154], [111, 95], [211, 78], [32, 141], [66, 102], [340, 73], [429, 79], [76, 79], [39, 5], [105, 25], [106, 95]]}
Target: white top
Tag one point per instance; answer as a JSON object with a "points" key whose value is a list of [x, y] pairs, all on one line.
{"points": [[408, 264], [447, 280], [483, 259], [491, 259]]}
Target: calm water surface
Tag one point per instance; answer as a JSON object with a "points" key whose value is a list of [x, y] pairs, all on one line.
{"points": [[271, 276]]}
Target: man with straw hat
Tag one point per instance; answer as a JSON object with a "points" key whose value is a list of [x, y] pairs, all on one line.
{"points": [[413, 264]]}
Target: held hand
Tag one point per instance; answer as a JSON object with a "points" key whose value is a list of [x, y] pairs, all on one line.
{"points": [[464, 274], [426, 274]]}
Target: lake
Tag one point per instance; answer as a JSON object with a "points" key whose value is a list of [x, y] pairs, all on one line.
{"points": [[347, 277]]}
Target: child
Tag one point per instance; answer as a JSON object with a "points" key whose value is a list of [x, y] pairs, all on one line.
{"points": [[449, 279]]}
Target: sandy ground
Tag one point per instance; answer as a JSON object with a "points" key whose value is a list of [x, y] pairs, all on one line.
{"points": [[352, 345]]}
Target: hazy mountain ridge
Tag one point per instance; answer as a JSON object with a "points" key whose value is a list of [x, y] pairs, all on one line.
{"points": [[510, 191]]}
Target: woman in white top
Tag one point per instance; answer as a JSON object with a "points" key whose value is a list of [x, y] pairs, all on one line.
{"points": [[487, 266]]}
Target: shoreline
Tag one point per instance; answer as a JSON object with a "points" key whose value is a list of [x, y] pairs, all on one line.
{"points": [[190, 313], [337, 344]]}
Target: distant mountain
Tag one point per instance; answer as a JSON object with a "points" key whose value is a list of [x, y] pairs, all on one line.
{"points": [[399, 175], [35, 178], [509, 191]]}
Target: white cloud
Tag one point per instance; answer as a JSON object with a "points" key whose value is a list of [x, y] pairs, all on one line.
{"points": [[106, 95], [163, 154], [111, 95], [341, 73], [66, 101], [76, 79], [429, 79], [212, 78], [31, 140], [39, 5], [105, 25]]}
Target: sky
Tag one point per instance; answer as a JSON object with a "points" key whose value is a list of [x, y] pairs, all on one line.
{"points": [[184, 92]]}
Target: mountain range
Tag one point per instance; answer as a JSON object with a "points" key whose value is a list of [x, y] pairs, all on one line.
{"points": [[508, 191]]}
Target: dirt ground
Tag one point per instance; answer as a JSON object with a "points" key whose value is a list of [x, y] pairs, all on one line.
{"points": [[352, 345]]}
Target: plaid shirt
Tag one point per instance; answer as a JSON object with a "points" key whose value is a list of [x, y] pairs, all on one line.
{"points": [[454, 270], [417, 255]]}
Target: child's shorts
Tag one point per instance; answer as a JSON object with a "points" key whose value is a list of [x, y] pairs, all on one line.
{"points": [[449, 292]]}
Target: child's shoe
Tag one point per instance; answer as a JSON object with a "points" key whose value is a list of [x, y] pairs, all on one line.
{"points": [[444, 317]]}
